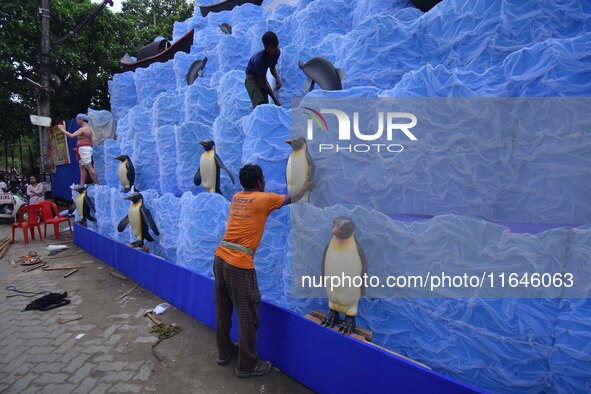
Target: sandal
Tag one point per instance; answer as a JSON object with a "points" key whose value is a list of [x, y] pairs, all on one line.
{"points": [[226, 360], [262, 368]]}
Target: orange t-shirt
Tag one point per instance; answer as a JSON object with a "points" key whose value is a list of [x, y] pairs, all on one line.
{"points": [[246, 222]]}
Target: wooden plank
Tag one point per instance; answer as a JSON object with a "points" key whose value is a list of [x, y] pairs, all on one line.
{"points": [[34, 268], [128, 292], [116, 275], [319, 321], [4, 246], [57, 256], [70, 273], [153, 318], [314, 317], [368, 335], [62, 321], [62, 268]]}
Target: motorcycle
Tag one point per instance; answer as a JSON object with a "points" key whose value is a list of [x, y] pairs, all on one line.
{"points": [[11, 201]]}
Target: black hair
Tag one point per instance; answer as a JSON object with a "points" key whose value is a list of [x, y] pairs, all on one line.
{"points": [[250, 175], [270, 39]]}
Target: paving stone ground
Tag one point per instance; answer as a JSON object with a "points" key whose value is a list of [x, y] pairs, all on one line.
{"points": [[110, 349]]}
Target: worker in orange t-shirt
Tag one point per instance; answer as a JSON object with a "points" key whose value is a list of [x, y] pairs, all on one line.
{"points": [[233, 266]]}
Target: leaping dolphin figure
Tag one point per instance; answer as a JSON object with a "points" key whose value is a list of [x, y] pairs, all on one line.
{"points": [[226, 28], [196, 70], [321, 71]]}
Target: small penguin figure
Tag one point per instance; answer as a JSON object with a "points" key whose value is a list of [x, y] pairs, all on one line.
{"points": [[125, 172], [140, 219], [343, 257], [300, 167], [84, 206], [209, 168]]}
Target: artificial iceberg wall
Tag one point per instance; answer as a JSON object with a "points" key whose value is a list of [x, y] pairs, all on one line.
{"points": [[389, 49]]}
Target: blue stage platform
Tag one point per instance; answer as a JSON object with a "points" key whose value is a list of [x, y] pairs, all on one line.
{"points": [[321, 359]]}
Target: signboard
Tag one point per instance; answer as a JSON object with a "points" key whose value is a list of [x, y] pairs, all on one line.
{"points": [[40, 120], [59, 152], [5, 198]]}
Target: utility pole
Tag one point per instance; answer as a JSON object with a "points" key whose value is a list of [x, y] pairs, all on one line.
{"points": [[43, 102]]}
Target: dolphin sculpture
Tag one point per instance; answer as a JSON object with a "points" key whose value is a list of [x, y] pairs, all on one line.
{"points": [[321, 71], [226, 28], [196, 70]]}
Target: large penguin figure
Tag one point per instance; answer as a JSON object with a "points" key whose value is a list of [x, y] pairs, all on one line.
{"points": [[300, 167], [125, 172], [343, 257], [140, 219], [209, 168], [84, 206]]}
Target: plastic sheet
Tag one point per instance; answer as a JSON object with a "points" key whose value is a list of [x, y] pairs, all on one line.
{"points": [[228, 145], [153, 80], [201, 103], [188, 153], [147, 170], [167, 110], [166, 149], [103, 125], [266, 129], [112, 150], [98, 161], [123, 93], [203, 217], [388, 49]]}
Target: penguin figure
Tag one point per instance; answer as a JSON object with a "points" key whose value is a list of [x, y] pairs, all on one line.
{"points": [[125, 172], [300, 167], [140, 219], [343, 257], [209, 168], [84, 206]]}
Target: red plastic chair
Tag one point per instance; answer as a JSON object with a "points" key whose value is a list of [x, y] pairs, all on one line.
{"points": [[52, 216], [32, 221]]}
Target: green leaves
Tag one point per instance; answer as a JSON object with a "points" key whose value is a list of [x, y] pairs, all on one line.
{"points": [[84, 63]]}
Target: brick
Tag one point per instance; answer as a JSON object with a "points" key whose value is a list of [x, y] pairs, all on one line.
{"points": [[125, 388], [103, 357], [22, 383], [48, 378], [109, 331], [41, 350], [94, 349], [76, 363], [16, 363], [82, 373], [58, 388], [66, 346], [52, 367], [100, 389], [111, 366], [87, 384], [44, 358], [114, 339], [70, 354]]}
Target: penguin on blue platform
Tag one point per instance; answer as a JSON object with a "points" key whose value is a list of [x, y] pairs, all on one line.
{"points": [[300, 167], [125, 172], [343, 257], [208, 172], [84, 205], [140, 219]]}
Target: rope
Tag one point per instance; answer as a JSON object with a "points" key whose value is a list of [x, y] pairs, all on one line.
{"points": [[23, 293]]}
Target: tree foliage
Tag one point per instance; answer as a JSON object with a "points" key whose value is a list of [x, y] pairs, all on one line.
{"points": [[84, 63]]}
